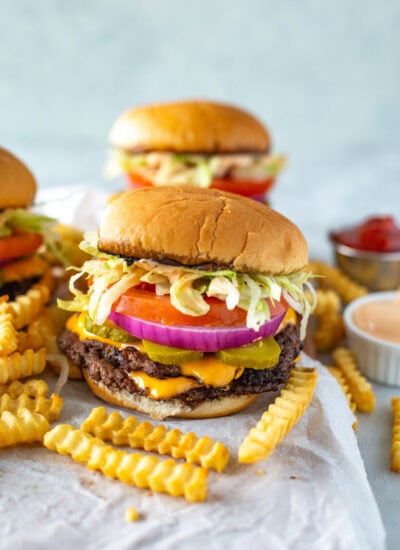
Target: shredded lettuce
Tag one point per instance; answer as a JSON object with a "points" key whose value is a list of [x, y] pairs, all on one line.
{"points": [[112, 276], [14, 219], [17, 218], [224, 289], [198, 170]]}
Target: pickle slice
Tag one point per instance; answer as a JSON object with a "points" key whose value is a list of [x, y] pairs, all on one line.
{"points": [[170, 356], [111, 333], [262, 354]]}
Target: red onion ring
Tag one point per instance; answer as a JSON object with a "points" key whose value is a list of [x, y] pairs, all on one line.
{"points": [[195, 338]]}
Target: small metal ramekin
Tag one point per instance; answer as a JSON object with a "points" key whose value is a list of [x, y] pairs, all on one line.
{"points": [[375, 270]]}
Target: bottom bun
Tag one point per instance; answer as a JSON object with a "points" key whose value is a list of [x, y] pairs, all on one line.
{"points": [[160, 409]]}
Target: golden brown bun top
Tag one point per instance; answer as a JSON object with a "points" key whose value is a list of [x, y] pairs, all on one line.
{"points": [[17, 184], [189, 127], [196, 226]]}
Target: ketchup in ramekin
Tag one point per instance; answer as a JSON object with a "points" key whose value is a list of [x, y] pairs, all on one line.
{"points": [[376, 234], [369, 252]]}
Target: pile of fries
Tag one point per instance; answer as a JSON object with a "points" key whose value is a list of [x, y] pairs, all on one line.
{"points": [[26, 414], [23, 332], [27, 331], [334, 291]]}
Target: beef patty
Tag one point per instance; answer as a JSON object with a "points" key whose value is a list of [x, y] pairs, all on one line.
{"points": [[17, 288], [111, 366]]}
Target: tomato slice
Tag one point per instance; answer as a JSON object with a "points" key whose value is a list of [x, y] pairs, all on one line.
{"points": [[146, 305], [246, 188], [19, 244], [135, 181]]}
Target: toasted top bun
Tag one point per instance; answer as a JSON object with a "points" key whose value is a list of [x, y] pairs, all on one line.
{"points": [[17, 184], [189, 127], [195, 226]]}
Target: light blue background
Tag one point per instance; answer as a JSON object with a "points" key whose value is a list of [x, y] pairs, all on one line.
{"points": [[324, 76]]}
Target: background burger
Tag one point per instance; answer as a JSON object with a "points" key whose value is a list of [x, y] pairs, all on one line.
{"points": [[189, 308], [22, 232], [199, 143]]}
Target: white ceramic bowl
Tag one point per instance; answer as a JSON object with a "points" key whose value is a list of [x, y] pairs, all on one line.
{"points": [[377, 359]]}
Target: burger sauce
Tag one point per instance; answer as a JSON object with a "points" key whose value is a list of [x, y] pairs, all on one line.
{"points": [[380, 319]]}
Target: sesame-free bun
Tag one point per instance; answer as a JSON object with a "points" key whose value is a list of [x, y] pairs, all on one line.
{"points": [[17, 184], [189, 127], [160, 409], [195, 226]]}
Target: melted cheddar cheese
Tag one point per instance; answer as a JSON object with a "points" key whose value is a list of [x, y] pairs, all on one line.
{"points": [[206, 371], [289, 319], [211, 372], [163, 389]]}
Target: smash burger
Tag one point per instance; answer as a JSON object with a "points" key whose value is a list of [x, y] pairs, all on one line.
{"points": [[190, 307], [22, 232], [200, 143]]}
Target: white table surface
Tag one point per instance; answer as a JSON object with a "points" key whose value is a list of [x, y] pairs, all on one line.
{"points": [[318, 195], [374, 439]]}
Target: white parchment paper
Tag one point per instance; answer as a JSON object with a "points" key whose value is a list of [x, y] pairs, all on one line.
{"points": [[312, 493]]}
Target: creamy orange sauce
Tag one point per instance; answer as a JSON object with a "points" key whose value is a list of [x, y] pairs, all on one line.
{"points": [[380, 319]]}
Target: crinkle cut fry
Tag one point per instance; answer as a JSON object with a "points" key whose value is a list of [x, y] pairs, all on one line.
{"points": [[329, 331], [136, 469], [58, 317], [41, 332], [330, 327], [334, 278], [360, 388], [23, 427], [33, 388], [21, 365], [144, 435], [8, 333], [328, 303], [47, 280], [28, 306], [50, 407], [339, 376], [280, 417], [395, 454]]}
